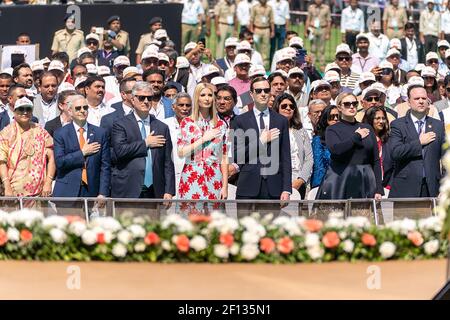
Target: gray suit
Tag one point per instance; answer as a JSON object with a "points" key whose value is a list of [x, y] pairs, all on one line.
{"points": [[38, 112], [441, 105]]}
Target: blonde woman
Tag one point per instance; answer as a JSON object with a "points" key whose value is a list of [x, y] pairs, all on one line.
{"points": [[202, 143]]}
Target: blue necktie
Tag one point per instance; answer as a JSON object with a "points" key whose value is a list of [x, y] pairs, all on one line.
{"points": [[148, 178]]}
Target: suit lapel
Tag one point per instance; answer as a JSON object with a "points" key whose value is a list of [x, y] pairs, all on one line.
{"points": [[90, 138], [411, 126], [37, 110], [428, 128]]}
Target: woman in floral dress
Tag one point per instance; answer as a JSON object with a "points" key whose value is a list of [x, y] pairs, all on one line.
{"points": [[202, 142]]}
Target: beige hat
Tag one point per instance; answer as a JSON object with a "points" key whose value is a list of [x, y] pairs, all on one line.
{"points": [[332, 66], [366, 76], [211, 69], [296, 42], [256, 70], [79, 81], [428, 72], [218, 80], [23, 102], [319, 83], [160, 33], [447, 53], [150, 53], [130, 72], [343, 47], [374, 87], [163, 57], [393, 52], [37, 66], [189, 46], [281, 72], [332, 76], [91, 68], [431, 55], [45, 60], [121, 61], [103, 71], [242, 58], [231, 42], [93, 36], [386, 65], [82, 50], [443, 43], [395, 43], [244, 46], [416, 81], [65, 86], [295, 70], [56, 65], [182, 62]]}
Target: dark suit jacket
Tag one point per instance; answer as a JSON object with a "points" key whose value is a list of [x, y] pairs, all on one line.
{"points": [[280, 179], [107, 124], [420, 52], [52, 125], [4, 120], [70, 161], [410, 157], [130, 149], [400, 79]]}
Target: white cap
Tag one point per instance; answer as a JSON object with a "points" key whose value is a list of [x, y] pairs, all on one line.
{"points": [[431, 55], [91, 68], [218, 80], [378, 87], [93, 36], [128, 71], [256, 70], [386, 65], [8, 71], [182, 62], [343, 47], [231, 42], [160, 33], [284, 56], [23, 102], [37, 66], [332, 66], [79, 80], [242, 58], [392, 52], [103, 71], [163, 57], [395, 43], [211, 69], [82, 50], [189, 46], [362, 36], [447, 53], [65, 86], [56, 65], [419, 67], [121, 61], [416, 81], [428, 72], [296, 41], [295, 70], [150, 53], [244, 46], [30, 93], [155, 43], [319, 83], [443, 43], [45, 60], [332, 76], [366, 76], [281, 72], [290, 51]]}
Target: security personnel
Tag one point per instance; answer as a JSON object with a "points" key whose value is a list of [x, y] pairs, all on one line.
{"points": [[319, 23], [226, 23], [191, 21], [69, 39], [394, 20], [147, 38], [119, 38], [263, 28]]}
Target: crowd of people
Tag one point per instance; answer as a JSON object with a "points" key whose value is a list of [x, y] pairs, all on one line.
{"points": [[195, 125]]}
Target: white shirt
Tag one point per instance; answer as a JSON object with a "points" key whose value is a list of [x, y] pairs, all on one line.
{"points": [[174, 128], [378, 45], [199, 71], [77, 128], [411, 52], [10, 113], [49, 110], [146, 123], [243, 12], [127, 110], [159, 111], [266, 117], [295, 159], [96, 113], [191, 10], [3, 107], [416, 125], [280, 11], [445, 22], [352, 20]]}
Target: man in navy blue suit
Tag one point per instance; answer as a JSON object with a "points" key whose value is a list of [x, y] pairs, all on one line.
{"points": [[82, 155], [416, 148], [161, 107], [143, 151]]}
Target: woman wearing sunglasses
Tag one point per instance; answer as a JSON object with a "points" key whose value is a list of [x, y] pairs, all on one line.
{"points": [[355, 170], [393, 90], [27, 165], [301, 153]]}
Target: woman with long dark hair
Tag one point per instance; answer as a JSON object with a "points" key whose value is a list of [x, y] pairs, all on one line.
{"points": [[431, 85]]}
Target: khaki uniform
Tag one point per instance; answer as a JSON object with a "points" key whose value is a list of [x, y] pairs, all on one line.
{"points": [[225, 14], [262, 18], [64, 41], [396, 19], [144, 41], [124, 38], [319, 18]]}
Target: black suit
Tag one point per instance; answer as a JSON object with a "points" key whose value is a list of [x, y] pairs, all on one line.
{"points": [[400, 77], [414, 163], [130, 150], [52, 125], [420, 51], [107, 124]]}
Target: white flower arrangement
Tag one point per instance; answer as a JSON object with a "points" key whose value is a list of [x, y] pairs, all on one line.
{"points": [[55, 222], [249, 251], [58, 235], [119, 250], [198, 243], [13, 234], [387, 249], [221, 251]]}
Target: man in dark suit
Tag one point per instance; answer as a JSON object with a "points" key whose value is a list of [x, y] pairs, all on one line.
{"points": [[15, 92], [412, 48], [64, 117], [82, 155], [416, 149], [265, 172], [143, 150]]}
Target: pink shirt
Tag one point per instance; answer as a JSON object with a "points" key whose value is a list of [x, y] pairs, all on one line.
{"points": [[360, 64], [241, 86]]}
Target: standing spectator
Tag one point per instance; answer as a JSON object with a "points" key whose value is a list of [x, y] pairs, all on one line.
{"points": [[445, 22], [411, 48], [333, 78], [431, 85], [315, 109], [119, 38], [430, 26], [394, 20], [297, 88], [23, 75], [82, 155], [444, 104], [227, 62], [262, 26], [191, 21], [225, 23], [107, 55], [95, 92], [321, 89], [301, 153], [354, 157], [243, 13], [352, 23], [147, 38], [318, 28], [64, 117], [379, 43], [278, 83], [45, 103], [69, 39], [363, 61], [25, 150], [281, 19], [394, 56], [416, 149], [349, 79], [443, 46], [5, 83], [375, 96], [242, 82], [15, 92], [161, 107], [23, 39]]}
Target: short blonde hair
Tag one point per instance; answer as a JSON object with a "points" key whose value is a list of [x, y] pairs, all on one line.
{"points": [[342, 96]]}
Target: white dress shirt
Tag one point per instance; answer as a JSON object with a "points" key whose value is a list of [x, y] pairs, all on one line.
{"points": [[266, 117], [191, 10], [49, 110], [243, 12], [416, 125], [280, 11], [378, 45], [146, 123], [174, 128], [127, 110], [445, 21], [352, 20], [96, 113], [77, 128], [411, 52], [159, 111]]}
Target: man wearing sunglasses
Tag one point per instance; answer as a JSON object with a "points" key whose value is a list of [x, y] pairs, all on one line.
{"points": [[161, 107], [349, 79], [444, 104], [15, 93], [375, 96]]}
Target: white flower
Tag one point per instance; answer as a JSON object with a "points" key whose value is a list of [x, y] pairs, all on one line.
{"points": [[403, 226], [26, 216], [431, 247], [124, 236], [387, 249], [315, 252], [198, 243], [58, 236], [248, 222], [234, 250], [431, 223], [89, 237], [119, 250], [312, 240], [55, 221], [342, 234], [221, 251], [267, 218], [337, 223], [250, 237], [182, 225], [139, 247], [357, 222], [13, 234], [77, 228], [107, 223], [166, 245], [281, 221], [138, 220], [348, 246], [3, 217], [137, 231], [249, 251]]}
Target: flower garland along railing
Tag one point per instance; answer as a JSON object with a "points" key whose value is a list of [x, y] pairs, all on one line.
{"points": [[27, 235]]}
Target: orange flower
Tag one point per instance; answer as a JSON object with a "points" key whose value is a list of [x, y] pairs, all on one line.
{"points": [[226, 239], [100, 237], [26, 235], [331, 239], [313, 225], [267, 245], [151, 238], [416, 238], [3, 237], [198, 218], [285, 245], [368, 240], [182, 243]]}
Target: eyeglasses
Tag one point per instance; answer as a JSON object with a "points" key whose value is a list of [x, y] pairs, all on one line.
{"points": [[352, 104], [323, 88], [22, 96], [259, 91], [163, 63], [92, 43], [287, 105], [78, 108], [224, 98], [344, 58], [244, 66], [24, 109], [296, 76], [372, 99], [184, 104], [433, 61], [143, 98], [333, 117]]}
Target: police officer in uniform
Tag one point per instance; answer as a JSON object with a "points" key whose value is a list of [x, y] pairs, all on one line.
{"points": [[263, 28], [119, 38], [226, 23], [69, 39], [147, 38]]}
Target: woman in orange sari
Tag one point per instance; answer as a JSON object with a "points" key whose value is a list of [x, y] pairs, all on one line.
{"points": [[27, 165]]}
